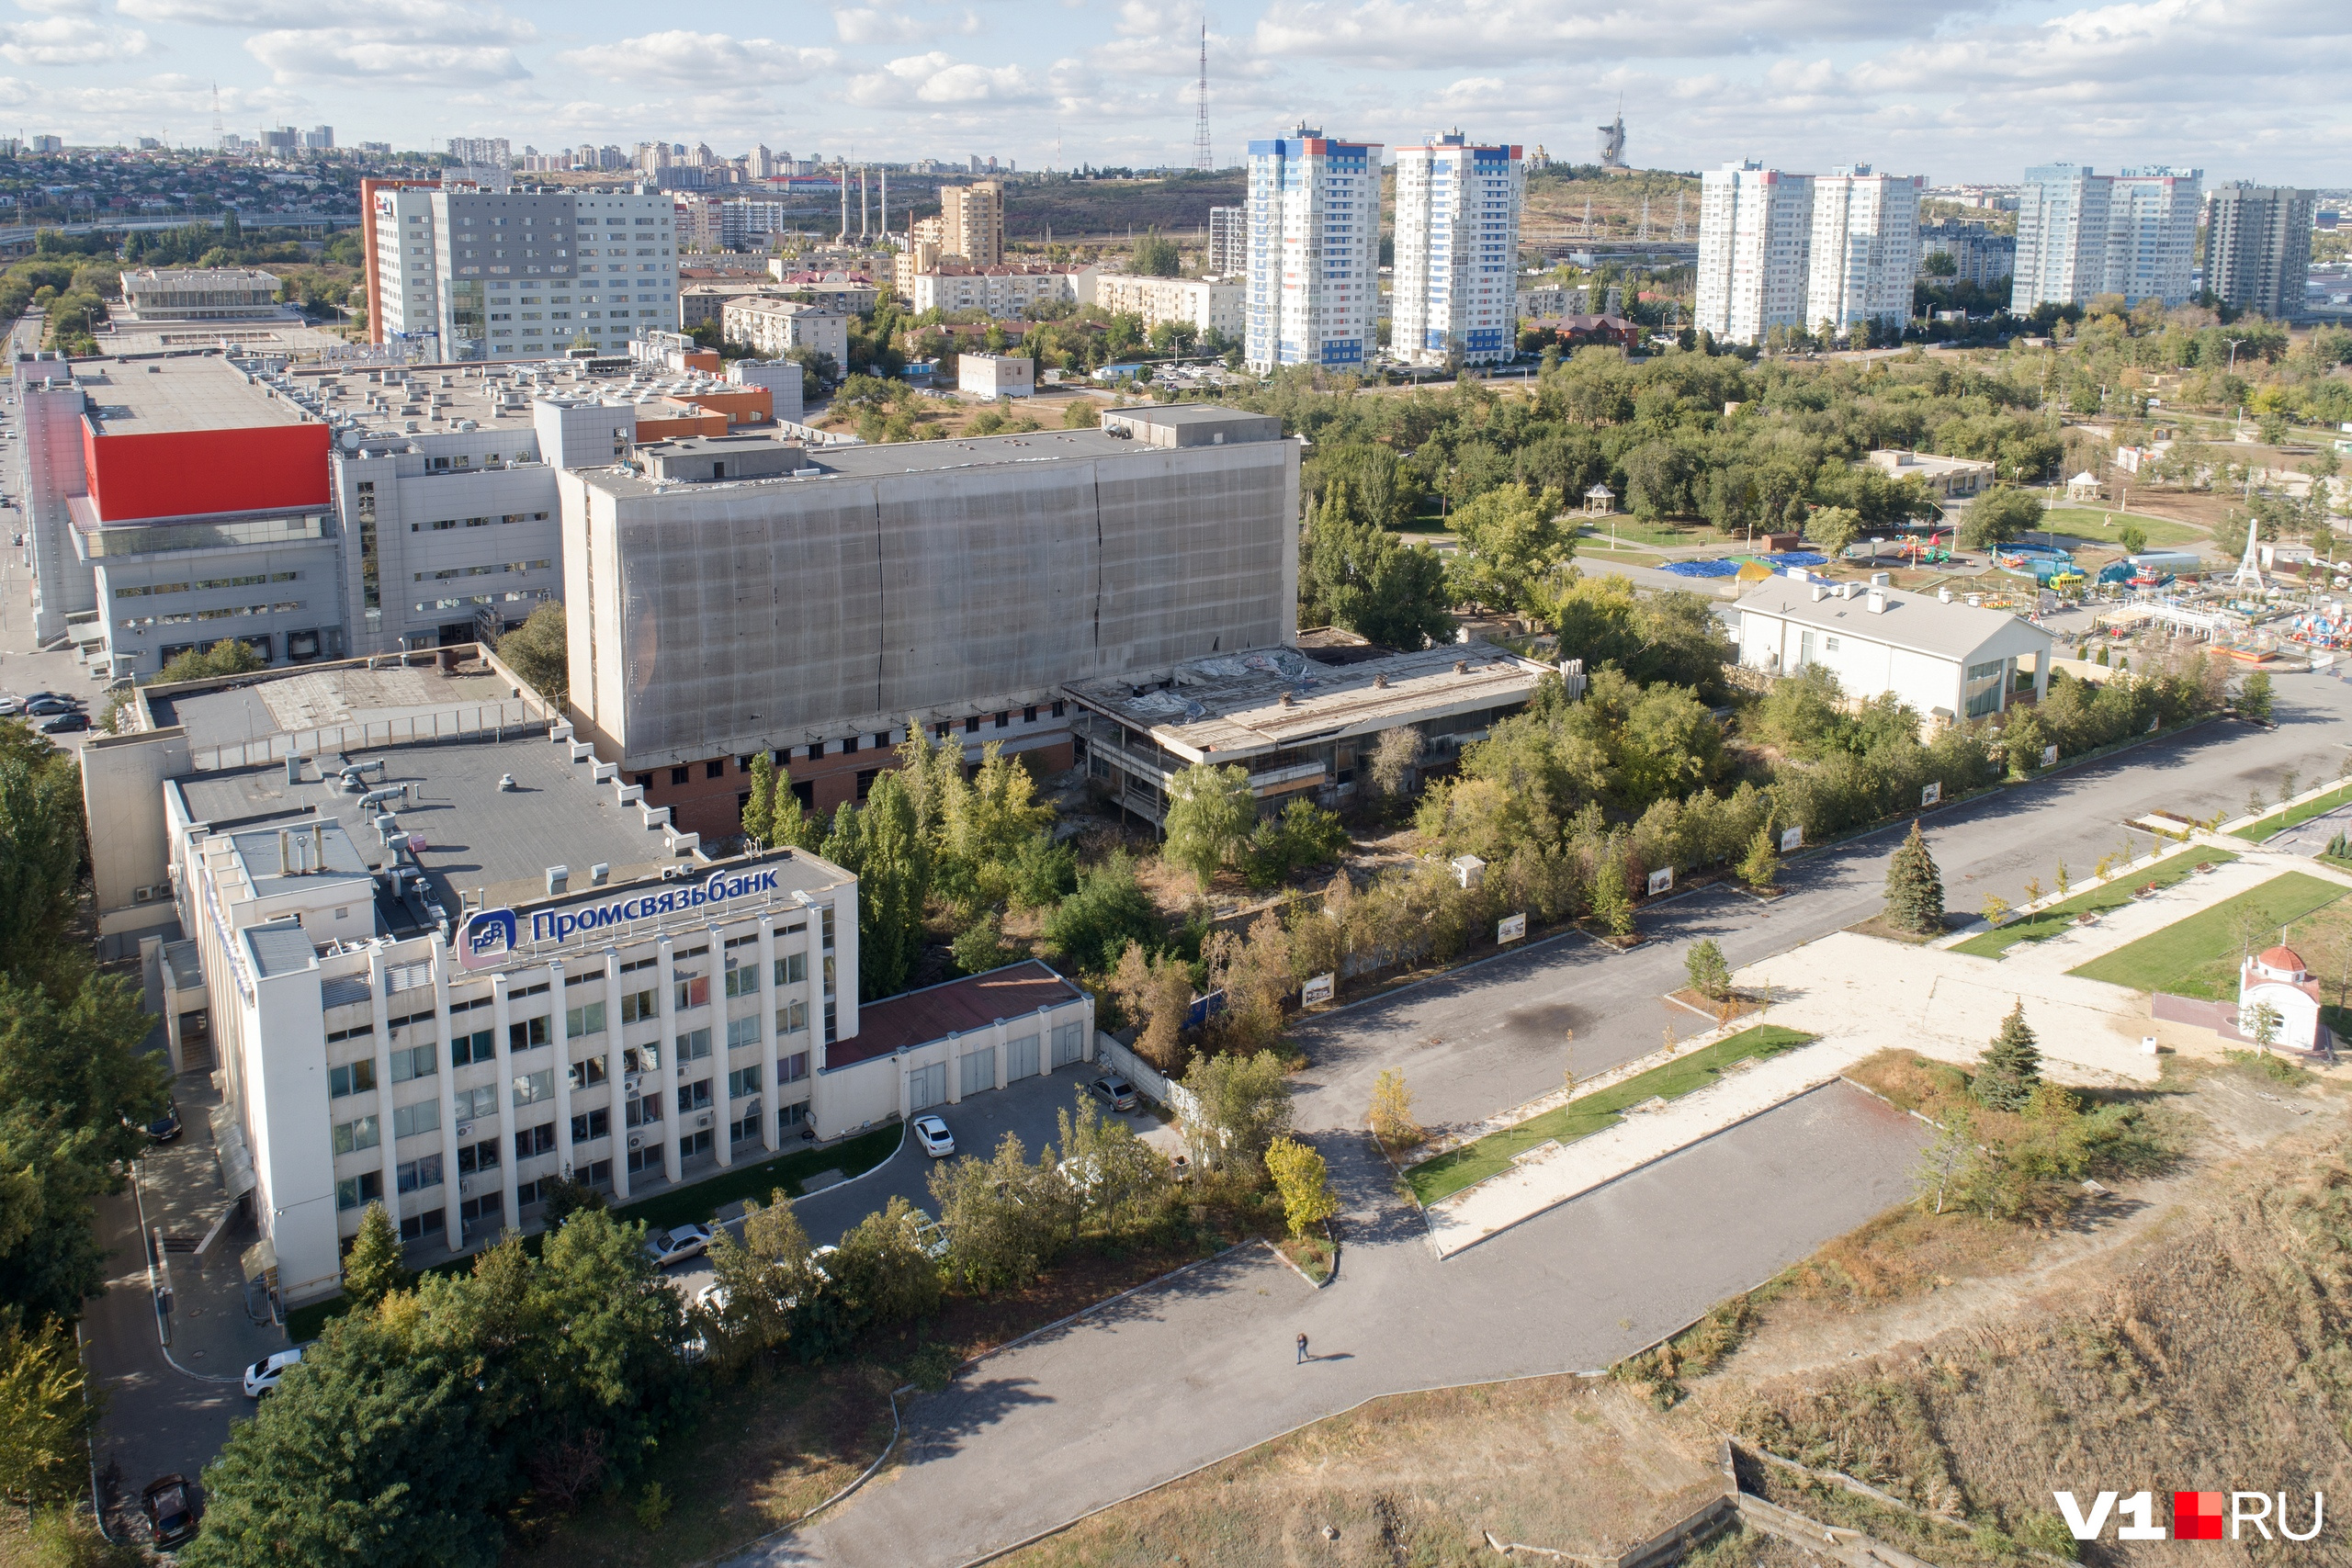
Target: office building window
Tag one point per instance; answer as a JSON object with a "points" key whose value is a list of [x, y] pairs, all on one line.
{"points": [[524, 1034], [356, 1078], [591, 1124], [588, 1019], [413, 1061], [474, 1047], [360, 1132], [352, 1192]]}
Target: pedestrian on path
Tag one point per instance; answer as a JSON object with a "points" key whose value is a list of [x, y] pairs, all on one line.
{"points": [[1302, 1351]]}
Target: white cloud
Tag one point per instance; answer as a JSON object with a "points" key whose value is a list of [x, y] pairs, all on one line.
{"points": [[1421, 34], [874, 24], [385, 55], [68, 41], [937, 78], [712, 61]]}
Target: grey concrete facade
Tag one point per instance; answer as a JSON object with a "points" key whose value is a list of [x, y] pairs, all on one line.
{"points": [[723, 618]]}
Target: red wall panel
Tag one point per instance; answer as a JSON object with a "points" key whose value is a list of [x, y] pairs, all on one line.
{"points": [[176, 473]]}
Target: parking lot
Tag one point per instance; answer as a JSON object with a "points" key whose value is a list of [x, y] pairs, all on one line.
{"points": [[1030, 1109]]}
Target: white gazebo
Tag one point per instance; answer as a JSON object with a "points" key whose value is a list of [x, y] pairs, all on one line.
{"points": [[2084, 486], [1600, 500]]}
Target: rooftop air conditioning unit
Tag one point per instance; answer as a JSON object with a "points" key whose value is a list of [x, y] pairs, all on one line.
{"points": [[703, 1120], [465, 1128], [637, 1140]]}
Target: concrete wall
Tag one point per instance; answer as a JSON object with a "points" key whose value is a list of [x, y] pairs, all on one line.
{"points": [[731, 618], [63, 584], [122, 782]]}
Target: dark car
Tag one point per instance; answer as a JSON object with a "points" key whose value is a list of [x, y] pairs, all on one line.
{"points": [[65, 723], [42, 702], [173, 1511], [166, 1127]]}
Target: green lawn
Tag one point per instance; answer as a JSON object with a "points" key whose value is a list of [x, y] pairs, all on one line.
{"points": [[1629, 530], [2049, 922], [2293, 817], [1587, 551], [2198, 956], [2091, 523], [1457, 1168]]}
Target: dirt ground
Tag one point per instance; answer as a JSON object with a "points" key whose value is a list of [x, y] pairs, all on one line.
{"points": [[2183, 1330]]}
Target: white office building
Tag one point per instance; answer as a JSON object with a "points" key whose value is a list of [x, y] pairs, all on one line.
{"points": [[1455, 285], [1313, 251], [1755, 246], [480, 962], [1865, 249], [522, 275]]}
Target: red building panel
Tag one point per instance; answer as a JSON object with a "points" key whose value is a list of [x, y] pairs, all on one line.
{"points": [[183, 473]]}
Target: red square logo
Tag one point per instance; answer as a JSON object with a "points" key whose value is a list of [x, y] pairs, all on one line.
{"points": [[2197, 1516]]}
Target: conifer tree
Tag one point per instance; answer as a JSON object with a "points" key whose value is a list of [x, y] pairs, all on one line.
{"points": [[2011, 1064], [1915, 890], [374, 1267], [1760, 866], [758, 811]]}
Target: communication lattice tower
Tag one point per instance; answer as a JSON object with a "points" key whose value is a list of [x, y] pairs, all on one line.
{"points": [[1202, 158]]}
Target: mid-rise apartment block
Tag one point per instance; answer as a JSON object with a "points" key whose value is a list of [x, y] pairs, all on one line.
{"points": [[2258, 247], [1228, 242], [1005, 292], [1755, 248], [1207, 303], [1314, 263], [1454, 294], [518, 275], [2081, 235], [773, 328], [744, 595], [970, 225], [1978, 256], [1865, 249]]}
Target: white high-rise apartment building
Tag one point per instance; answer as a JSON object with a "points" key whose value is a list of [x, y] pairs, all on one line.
{"points": [[2151, 233], [1229, 253], [1754, 241], [1314, 251], [523, 275], [1865, 248], [1456, 293]]}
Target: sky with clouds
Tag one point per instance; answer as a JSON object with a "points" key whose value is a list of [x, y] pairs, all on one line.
{"points": [[1956, 91]]}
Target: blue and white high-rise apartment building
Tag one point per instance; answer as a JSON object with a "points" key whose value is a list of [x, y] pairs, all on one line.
{"points": [[1455, 296], [1314, 251]]}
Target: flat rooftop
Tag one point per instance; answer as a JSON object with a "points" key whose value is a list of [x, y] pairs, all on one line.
{"points": [[954, 1007], [310, 699], [479, 839], [198, 392], [1232, 706]]}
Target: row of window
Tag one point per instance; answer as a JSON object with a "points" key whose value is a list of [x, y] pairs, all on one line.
{"points": [[439, 525], [230, 613], [442, 576], [254, 579]]}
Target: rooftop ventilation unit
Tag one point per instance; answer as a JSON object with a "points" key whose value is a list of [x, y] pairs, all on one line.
{"points": [[506, 783], [599, 873], [558, 879]]}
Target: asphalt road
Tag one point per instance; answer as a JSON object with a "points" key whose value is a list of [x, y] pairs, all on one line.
{"points": [[1200, 1367]]}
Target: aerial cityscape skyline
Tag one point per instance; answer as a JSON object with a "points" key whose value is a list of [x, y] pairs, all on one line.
{"points": [[1958, 92]]}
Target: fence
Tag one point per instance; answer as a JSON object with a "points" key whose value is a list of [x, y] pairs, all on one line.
{"points": [[522, 716]]}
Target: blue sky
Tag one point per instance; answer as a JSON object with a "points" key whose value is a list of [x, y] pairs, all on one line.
{"points": [[1956, 91]]}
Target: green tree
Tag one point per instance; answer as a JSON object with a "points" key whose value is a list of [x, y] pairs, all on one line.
{"points": [[790, 826], [1914, 889], [2011, 1066], [41, 855], [980, 946], [1513, 547], [46, 1414], [1833, 529], [538, 651], [1612, 906], [1760, 867], [883, 847], [373, 1269], [1155, 992], [1709, 972], [2133, 537], [1106, 1167], [372, 1453], [758, 808], [1305, 1182], [1392, 1111], [230, 655], [2254, 695], [1240, 1104], [1102, 916], [881, 1269], [2000, 516], [1211, 811], [1355, 574], [1945, 1165], [1157, 256], [997, 1240], [762, 1277]]}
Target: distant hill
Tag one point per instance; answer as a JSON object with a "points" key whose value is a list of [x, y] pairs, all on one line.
{"points": [[1177, 205]]}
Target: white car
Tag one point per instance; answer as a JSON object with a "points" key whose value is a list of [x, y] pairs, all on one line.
{"points": [[933, 1134], [678, 1244], [929, 1236], [712, 1298], [11, 706], [263, 1375]]}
